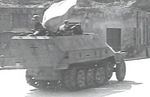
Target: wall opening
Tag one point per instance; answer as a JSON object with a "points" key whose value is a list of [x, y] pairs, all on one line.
{"points": [[114, 38]]}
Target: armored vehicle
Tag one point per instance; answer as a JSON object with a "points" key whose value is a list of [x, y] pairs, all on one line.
{"points": [[75, 62]]}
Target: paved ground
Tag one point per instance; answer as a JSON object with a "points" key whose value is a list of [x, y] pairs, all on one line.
{"points": [[137, 83]]}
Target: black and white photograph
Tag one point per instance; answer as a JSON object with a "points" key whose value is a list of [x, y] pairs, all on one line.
{"points": [[74, 48]]}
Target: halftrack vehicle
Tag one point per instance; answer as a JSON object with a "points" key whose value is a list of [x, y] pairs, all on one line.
{"points": [[75, 62]]}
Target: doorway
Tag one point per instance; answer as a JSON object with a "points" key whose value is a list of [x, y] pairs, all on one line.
{"points": [[114, 38]]}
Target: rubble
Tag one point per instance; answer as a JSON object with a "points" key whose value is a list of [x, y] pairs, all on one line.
{"points": [[16, 5], [101, 4]]}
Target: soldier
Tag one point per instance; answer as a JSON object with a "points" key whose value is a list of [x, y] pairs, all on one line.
{"points": [[65, 27], [39, 30]]}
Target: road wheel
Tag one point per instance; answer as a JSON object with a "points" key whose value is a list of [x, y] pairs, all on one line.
{"points": [[121, 71], [109, 68], [69, 79], [30, 80], [81, 79], [41, 84], [100, 76], [53, 83], [90, 75]]}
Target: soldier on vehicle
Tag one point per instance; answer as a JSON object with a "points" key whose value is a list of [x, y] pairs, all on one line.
{"points": [[67, 29], [38, 30], [64, 27]]}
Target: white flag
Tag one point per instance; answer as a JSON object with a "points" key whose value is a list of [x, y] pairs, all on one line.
{"points": [[57, 13]]}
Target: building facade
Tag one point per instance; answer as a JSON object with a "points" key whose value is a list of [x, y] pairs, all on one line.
{"points": [[123, 30], [17, 19]]}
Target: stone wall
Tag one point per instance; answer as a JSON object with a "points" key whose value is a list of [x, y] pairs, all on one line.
{"points": [[24, 1], [133, 23], [17, 18]]}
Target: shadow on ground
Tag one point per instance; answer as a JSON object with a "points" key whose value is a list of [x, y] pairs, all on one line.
{"points": [[109, 88]]}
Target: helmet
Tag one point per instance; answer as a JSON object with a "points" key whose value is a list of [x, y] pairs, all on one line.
{"points": [[36, 18], [66, 21]]}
